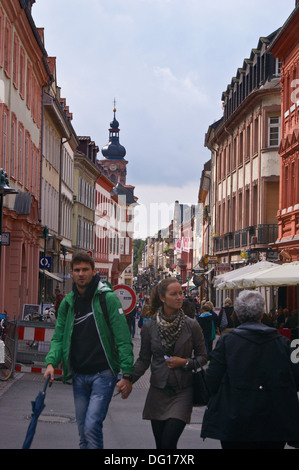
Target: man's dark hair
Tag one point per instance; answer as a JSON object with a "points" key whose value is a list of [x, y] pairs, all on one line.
{"points": [[82, 257]]}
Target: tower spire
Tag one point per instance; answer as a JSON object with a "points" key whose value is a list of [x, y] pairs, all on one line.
{"points": [[114, 150], [114, 163]]}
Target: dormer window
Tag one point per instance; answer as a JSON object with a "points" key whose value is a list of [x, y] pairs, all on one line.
{"points": [[278, 65], [273, 131]]}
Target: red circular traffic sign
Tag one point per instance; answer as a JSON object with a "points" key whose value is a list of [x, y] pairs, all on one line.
{"points": [[126, 296]]}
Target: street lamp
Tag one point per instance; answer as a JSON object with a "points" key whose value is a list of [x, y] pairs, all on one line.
{"points": [[5, 189]]}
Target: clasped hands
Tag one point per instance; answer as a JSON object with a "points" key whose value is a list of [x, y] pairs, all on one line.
{"points": [[124, 387]]}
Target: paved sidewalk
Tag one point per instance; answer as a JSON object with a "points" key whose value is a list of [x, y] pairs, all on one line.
{"points": [[124, 427]]}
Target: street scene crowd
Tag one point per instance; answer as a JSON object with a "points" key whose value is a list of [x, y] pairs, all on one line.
{"points": [[250, 377], [67, 220]]}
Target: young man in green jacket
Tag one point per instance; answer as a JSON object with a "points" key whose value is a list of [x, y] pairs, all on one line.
{"points": [[92, 351]]}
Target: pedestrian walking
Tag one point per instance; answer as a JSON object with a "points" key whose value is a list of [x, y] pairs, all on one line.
{"points": [[227, 320], [207, 322], [93, 348], [253, 384], [168, 343], [59, 298], [131, 321]]}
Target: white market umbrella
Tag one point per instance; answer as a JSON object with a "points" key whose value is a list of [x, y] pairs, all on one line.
{"points": [[286, 274], [226, 281]]}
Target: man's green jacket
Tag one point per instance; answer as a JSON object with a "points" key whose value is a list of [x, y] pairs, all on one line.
{"points": [[118, 350]]}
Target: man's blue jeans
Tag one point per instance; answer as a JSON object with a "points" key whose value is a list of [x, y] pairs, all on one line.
{"points": [[92, 396]]}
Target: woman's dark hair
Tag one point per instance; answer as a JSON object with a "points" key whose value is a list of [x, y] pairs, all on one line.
{"points": [[82, 257], [160, 289]]}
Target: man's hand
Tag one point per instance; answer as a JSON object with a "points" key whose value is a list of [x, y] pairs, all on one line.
{"points": [[124, 387], [49, 371]]}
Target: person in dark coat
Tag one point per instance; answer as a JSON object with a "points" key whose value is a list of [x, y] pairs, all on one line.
{"points": [[59, 298], [207, 321], [253, 384], [226, 319], [189, 308]]}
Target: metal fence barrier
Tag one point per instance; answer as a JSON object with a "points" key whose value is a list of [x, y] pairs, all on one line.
{"points": [[33, 341]]}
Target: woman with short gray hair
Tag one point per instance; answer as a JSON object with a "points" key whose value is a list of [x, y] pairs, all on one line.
{"points": [[249, 306], [253, 384]]}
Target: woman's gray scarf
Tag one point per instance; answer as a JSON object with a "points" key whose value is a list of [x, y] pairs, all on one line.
{"points": [[169, 329]]}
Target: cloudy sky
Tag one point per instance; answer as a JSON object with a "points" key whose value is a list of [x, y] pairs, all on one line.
{"points": [[166, 62]]}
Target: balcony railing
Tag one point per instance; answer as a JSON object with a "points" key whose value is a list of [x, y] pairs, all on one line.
{"points": [[254, 235]]}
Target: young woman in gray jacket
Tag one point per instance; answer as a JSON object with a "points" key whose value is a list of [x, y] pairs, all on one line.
{"points": [[169, 341]]}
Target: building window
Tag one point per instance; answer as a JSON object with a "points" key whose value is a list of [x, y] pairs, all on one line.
{"points": [[7, 47], [22, 73], [26, 163], [16, 60], [29, 86], [278, 65], [241, 149], [13, 146], [20, 153], [273, 131], [248, 141], [234, 154], [256, 136], [4, 149], [2, 20]]}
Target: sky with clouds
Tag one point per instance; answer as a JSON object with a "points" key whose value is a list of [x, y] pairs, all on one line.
{"points": [[166, 62]]}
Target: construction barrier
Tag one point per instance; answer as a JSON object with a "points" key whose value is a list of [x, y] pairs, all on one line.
{"points": [[33, 341]]}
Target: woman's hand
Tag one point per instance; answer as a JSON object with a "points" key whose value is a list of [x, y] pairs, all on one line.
{"points": [[175, 362]]}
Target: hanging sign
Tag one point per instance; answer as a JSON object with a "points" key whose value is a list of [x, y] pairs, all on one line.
{"points": [[198, 280]]}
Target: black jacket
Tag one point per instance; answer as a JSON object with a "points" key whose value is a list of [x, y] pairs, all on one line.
{"points": [[254, 387]]}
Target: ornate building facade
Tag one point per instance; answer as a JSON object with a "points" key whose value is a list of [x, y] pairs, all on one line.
{"points": [[245, 162], [286, 48], [23, 74]]}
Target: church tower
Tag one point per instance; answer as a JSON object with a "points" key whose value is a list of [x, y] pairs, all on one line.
{"points": [[114, 164]]}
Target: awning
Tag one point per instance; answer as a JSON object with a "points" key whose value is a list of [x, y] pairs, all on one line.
{"points": [[221, 281], [51, 275], [189, 284], [286, 274]]}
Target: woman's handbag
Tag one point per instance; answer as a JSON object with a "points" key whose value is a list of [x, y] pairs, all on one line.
{"points": [[200, 390]]}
